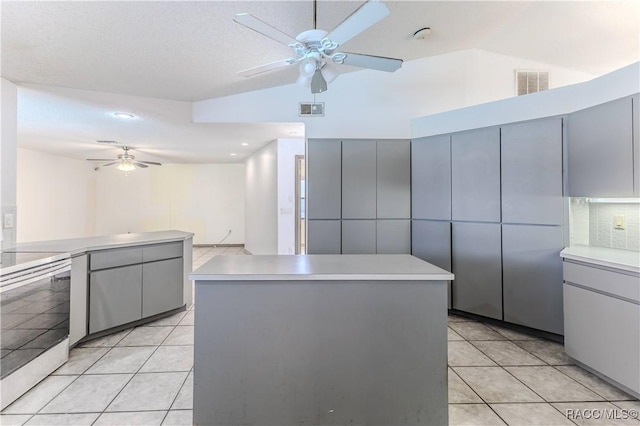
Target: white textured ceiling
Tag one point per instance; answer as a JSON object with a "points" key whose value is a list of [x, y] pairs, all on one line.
{"points": [[190, 50]]}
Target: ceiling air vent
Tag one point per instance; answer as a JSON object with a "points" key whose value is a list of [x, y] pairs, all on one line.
{"points": [[531, 81], [108, 142], [311, 109]]}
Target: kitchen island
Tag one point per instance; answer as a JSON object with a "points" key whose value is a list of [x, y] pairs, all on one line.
{"points": [[324, 339]]}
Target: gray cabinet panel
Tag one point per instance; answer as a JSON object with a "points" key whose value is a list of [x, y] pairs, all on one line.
{"points": [[115, 297], [477, 265], [431, 242], [323, 237], [636, 145], [431, 178], [161, 251], [113, 258], [475, 175], [359, 179], [532, 275], [323, 180], [393, 179], [532, 172], [393, 237], [600, 144], [358, 237], [161, 286]]}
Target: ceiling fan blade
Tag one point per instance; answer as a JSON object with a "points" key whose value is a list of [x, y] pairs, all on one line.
{"points": [[365, 16], [139, 164], [266, 67], [263, 28], [110, 164], [153, 163], [99, 159], [373, 62]]}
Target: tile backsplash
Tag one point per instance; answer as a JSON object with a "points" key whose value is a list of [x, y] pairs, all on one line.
{"points": [[592, 223]]}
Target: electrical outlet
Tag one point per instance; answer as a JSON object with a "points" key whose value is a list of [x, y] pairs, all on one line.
{"points": [[619, 221], [7, 221]]}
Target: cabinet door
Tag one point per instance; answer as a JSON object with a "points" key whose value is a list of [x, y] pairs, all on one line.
{"points": [[323, 237], [393, 236], [477, 265], [162, 286], [324, 178], [431, 242], [358, 237], [600, 143], [532, 172], [431, 178], [115, 297], [475, 175], [358, 179], [393, 176], [532, 276]]}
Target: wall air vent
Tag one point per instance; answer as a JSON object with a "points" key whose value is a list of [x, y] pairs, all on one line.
{"points": [[311, 109], [531, 81]]}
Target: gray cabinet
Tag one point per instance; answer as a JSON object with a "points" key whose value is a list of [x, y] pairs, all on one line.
{"points": [[393, 236], [636, 145], [159, 290], [115, 297], [431, 178], [323, 180], [359, 237], [393, 177], [600, 145], [531, 161], [323, 237], [431, 242], [532, 276], [477, 265], [358, 179], [475, 175]]}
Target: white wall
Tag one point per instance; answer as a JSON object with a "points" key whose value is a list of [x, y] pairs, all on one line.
{"points": [[55, 197], [261, 201], [287, 151], [8, 147], [374, 104], [206, 199]]}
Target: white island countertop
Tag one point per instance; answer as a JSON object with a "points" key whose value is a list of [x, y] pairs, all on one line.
{"points": [[77, 246], [625, 260], [345, 267]]}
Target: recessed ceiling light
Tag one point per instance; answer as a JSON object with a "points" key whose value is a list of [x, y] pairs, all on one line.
{"points": [[123, 115], [233, 154], [244, 144]]}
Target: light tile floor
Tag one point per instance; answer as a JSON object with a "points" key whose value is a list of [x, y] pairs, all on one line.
{"points": [[144, 376]]}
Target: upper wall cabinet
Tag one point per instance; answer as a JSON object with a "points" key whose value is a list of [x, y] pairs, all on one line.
{"points": [[324, 178], [475, 175], [532, 172], [393, 179], [431, 178], [359, 179], [600, 145], [636, 145]]}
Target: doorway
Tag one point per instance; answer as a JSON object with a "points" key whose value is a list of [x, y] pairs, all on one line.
{"points": [[301, 235]]}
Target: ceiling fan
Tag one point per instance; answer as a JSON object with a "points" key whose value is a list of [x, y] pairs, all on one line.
{"points": [[316, 50], [126, 162]]}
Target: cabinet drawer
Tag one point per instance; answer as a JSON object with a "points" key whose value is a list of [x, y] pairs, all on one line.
{"points": [[113, 258], [161, 251], [609, 282]]}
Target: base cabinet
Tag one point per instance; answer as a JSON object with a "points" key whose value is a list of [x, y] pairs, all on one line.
{"points": [[159, 290], [115, 297]]}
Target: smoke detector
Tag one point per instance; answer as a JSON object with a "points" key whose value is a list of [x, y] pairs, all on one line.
{"points": [[422, 33]]}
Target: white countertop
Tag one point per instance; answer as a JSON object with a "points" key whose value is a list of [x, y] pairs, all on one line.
{"points": [[624, 260], [77, 246], [378, 267]]}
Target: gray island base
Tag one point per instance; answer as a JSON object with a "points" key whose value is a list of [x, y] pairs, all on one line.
{"points": [[320, 340]]}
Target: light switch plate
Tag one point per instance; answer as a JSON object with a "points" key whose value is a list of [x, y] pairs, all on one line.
{"points": [[7, 221], [619, 221]]}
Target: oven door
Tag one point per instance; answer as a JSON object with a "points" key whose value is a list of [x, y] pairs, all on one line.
{"points": [[34, 313]]}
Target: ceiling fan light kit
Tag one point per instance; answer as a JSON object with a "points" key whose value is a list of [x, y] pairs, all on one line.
{"points": [[126, 162], [316, 49]]}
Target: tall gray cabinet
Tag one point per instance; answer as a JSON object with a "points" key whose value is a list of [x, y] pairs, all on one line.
{"points": [[359, 196]]}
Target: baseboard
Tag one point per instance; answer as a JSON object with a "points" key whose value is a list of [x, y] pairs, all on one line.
{"points": [[217, 245]]}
